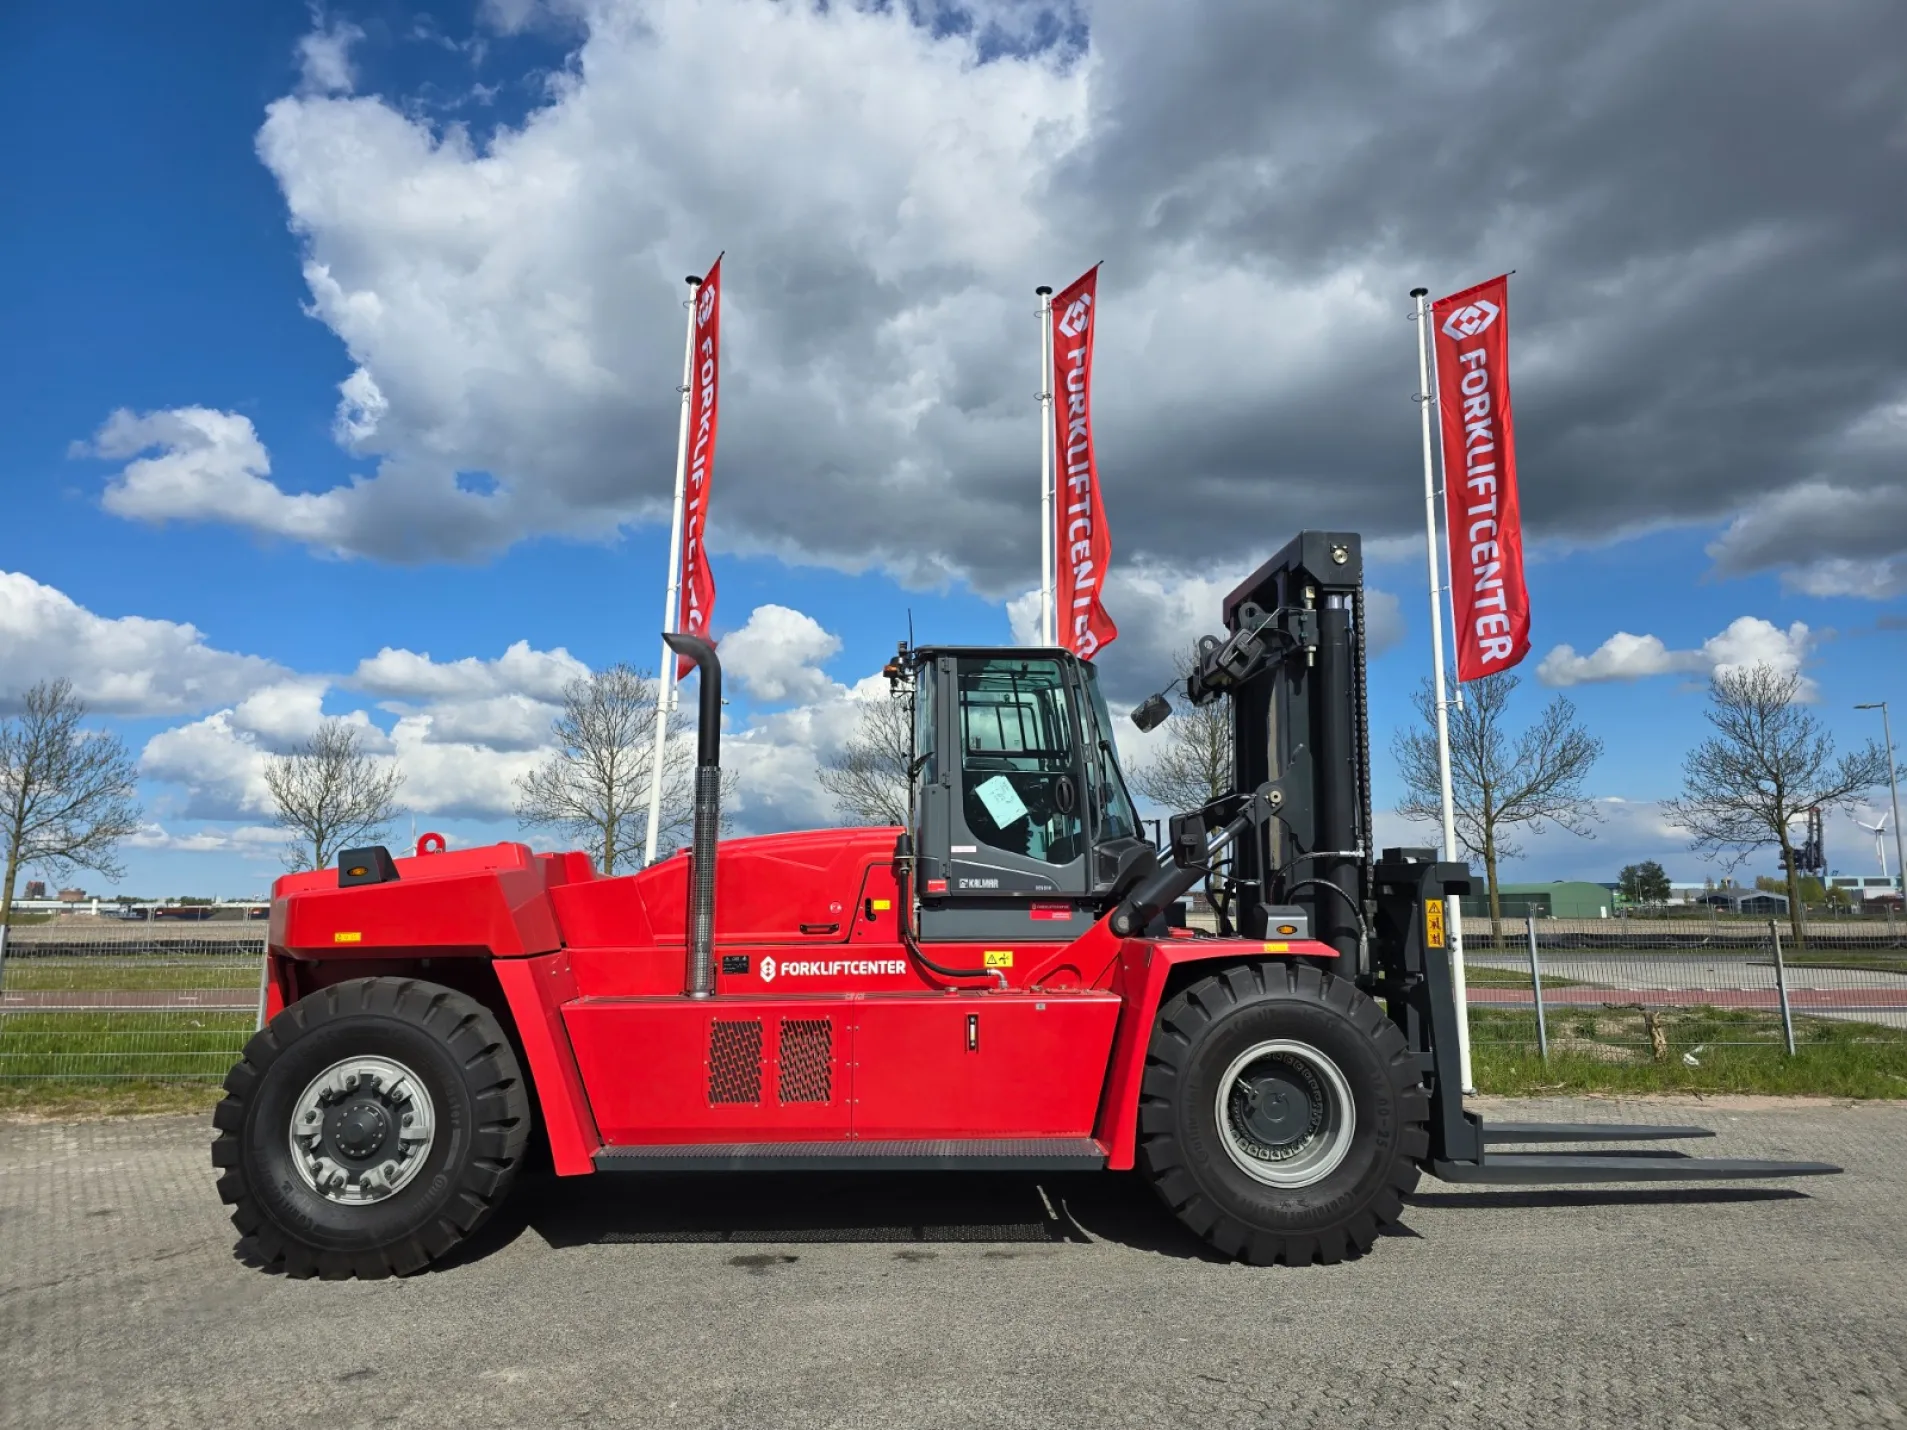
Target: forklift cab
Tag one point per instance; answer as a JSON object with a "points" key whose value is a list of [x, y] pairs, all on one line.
{"points": [[1020, 813]]}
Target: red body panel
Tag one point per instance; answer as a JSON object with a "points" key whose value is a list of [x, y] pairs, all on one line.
{"points": [[823, 1027]]}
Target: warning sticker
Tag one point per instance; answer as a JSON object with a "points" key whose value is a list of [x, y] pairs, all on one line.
{"points": [[1433, 923], [1003, 801], [998, 958], [347, 938]]}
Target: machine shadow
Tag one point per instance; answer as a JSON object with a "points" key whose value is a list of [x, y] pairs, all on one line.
{"points": [[902, 1208]]}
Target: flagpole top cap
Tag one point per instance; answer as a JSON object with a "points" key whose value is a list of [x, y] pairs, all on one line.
{"points": [[1419, 292], [1043, 290], [693, 281]]}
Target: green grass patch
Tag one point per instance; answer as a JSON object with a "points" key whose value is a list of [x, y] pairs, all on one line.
{"points": [[143, 973], [1484, 976], [144, 1045], [1736, 1050]]}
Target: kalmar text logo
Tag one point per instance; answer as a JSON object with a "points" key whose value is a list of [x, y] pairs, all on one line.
{"points": [[1469, 320]]}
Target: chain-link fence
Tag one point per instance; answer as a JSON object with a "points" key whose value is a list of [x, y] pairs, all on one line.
{"points": [[86, 999], [1621, 990]]}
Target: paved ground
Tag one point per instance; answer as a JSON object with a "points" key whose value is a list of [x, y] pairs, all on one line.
{"points": [[947, 1302]]}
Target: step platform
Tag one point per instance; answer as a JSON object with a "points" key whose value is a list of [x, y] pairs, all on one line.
{"points": [[1029, 1154], [1605, 1164]]}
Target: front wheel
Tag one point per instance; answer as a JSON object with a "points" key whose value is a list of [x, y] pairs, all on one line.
{"points": [[1282, 1115], [370, 1128]]}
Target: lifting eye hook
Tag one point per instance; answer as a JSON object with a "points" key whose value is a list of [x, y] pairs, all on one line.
{"points": [[432, 843]]}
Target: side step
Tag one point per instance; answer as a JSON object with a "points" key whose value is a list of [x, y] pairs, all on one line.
{"points": [[1655, 1164], [1031, 1154]]}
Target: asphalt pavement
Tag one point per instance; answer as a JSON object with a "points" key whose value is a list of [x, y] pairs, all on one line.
{"points": [[953, 1301]]}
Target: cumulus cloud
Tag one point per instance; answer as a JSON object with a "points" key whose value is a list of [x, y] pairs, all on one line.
{"points": [[324, 57], [1701, 324], [520, 670], [778, 653], [125, 665], [1747, 641]]}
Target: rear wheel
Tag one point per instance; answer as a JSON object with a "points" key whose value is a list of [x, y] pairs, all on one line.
{"points": [[370, 1128], [1281, 1115]]}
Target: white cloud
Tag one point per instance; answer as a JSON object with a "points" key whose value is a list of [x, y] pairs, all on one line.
{"points": [[209, 466], [324, 57], [520, 670], [1747, 641], [251, 840], [127, 665], [778, 653]]}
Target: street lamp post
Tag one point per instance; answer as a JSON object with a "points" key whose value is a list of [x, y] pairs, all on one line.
{"points": [[1893, 785]]}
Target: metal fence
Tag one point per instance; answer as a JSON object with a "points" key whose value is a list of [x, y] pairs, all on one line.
{"points": [[1621, 990], [90, 999]]}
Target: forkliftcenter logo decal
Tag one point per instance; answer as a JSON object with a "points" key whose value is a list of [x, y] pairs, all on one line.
{"points": [[1078, 314], [704, 306], [831, 968], [1469, 320]]}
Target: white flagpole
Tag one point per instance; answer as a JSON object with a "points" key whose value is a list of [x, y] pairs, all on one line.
{"points": [[1453, 907], [1047, 635], [665, 671]]}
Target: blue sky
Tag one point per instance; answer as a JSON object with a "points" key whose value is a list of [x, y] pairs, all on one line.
{"points": [[500, 201]]}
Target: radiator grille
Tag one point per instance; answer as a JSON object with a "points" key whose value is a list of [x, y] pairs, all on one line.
{"points": [[807, 1059], [734, 1060]]}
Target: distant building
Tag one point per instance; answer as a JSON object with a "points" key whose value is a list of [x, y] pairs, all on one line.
{"points": [[35, 889], [1563, 899], [72, 896], [1862, 888], [1745, 901]]}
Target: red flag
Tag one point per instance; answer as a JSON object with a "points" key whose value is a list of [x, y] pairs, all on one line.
{"points": [[1490, 604], [1082, 545], [697, 602]]}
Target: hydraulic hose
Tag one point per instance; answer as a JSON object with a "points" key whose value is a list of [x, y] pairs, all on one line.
{"points": [[904, 875]]}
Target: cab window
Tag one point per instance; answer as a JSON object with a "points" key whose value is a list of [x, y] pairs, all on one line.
{"points": [[1019, 760]]}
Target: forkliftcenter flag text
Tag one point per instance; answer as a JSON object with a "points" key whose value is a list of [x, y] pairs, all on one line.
{"points": [[1489, 603], [697, 602], [1082, 545]]}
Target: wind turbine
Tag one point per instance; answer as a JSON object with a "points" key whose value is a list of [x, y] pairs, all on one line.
{"points": [[1880, 844]]}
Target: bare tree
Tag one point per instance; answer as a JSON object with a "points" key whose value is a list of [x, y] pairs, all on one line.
{"points": [[1498, 781], [595, 787], [1193, 766], [66, 794], [1767, 764], [331, 794], [869, 775]]}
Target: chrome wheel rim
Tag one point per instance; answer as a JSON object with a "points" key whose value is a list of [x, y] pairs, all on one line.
{"points": [[1285, 1113], [361, 1130]]}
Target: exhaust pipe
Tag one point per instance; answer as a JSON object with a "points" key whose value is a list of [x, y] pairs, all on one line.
{"points": [[708, 813]]}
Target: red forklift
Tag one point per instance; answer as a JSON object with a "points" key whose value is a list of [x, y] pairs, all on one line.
{"points": [[1005, 983]]}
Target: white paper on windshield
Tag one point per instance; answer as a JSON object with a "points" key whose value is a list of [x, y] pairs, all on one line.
{"points": [[1001, 799]]}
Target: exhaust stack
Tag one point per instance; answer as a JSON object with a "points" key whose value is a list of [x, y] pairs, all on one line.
{"points": [[708, 814]]}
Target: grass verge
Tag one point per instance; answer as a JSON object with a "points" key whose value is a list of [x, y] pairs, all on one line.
{"points": [[78, 1100], [1735, 1051]]}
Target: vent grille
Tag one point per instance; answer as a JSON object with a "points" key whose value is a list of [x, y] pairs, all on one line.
{"points": [[807, 1059], [734, 1060]]}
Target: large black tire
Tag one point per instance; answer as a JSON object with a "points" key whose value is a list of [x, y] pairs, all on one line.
{"points": [[478, 1113], [1199, 1168]]}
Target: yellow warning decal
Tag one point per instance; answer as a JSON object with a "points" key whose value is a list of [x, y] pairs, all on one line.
{"points": [[881, 906], [347, 938], [999, 958], [1433, 923], [1277, 948]]}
